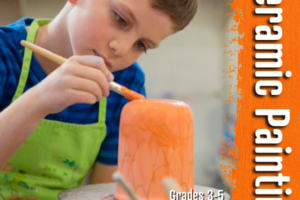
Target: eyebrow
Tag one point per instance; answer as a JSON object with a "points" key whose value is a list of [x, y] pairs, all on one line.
{"points": [[128, 11], [133, 17]]}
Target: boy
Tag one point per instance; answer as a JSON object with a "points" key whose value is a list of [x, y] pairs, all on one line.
{"points": [[50, 135]]}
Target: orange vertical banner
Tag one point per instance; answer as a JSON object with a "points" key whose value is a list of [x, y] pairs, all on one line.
{"points": [[268, 85]]}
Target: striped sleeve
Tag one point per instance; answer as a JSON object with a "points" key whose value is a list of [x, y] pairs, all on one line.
{"points": [[8, 66]]}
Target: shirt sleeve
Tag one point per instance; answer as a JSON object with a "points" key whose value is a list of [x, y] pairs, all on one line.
{"points": [[7, 61], [134, 79], [3, 72]]}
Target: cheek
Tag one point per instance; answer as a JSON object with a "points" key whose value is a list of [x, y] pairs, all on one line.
{"points": [[88, 24], [89, 30], [129, 60], [89, 35]]}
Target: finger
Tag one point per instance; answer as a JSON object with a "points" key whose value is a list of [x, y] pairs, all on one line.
{"points": [[95, 62], [93, 75], [82, 97], [89, 86]]}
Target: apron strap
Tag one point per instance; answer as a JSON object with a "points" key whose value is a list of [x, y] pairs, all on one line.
{"points": [[27, 56], [27, 62], [102, 111]]}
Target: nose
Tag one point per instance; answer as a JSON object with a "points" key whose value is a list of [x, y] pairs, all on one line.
{"points": [[120, 48]]}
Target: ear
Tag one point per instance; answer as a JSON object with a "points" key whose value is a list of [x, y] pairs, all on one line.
{"points": [[73, 1]]}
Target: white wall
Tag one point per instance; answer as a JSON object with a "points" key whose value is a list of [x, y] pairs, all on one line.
{"points": [[9, 11], [41, 8]]}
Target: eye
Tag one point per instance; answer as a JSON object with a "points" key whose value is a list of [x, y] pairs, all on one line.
{"points": [[141, 46], [121, 21]]}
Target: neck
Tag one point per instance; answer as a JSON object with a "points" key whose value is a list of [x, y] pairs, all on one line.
{"points": [[55, 38]]}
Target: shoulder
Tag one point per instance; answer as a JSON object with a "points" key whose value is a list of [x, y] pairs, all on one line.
{"points": [[12, 34], [10, 37], [10, 47], [11, 57]]}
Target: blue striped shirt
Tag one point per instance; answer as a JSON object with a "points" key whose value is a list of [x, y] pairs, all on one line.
{"points": [[11, 58]]}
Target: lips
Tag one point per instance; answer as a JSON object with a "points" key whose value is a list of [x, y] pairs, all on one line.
{"points": [[107, 63]]}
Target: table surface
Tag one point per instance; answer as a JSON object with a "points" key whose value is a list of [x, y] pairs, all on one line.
{"points": [[106, 191]]}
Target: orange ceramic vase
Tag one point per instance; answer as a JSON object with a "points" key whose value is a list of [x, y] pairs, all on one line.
{"points": [[156, 141]]}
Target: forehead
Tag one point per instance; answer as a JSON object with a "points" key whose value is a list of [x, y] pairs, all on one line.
{"points": [[149, 21]]}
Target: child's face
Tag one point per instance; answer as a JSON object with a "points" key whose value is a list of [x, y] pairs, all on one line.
{"points": [[120, 31]]}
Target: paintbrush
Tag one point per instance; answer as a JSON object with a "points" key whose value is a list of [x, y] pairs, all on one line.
{"points": [[129, 94], [171, 184], [126, 187]]}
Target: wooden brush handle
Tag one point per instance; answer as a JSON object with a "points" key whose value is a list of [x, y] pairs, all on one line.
{"points": [[171, 184], [44, 52], [129, 94], [117, 176]]}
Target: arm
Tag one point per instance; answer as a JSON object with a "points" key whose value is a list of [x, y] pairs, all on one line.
{"points": [[102, 173], [17, 122], [81, 79]]}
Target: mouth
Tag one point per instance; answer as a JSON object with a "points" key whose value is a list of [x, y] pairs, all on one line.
{"points": [[107, 63]]}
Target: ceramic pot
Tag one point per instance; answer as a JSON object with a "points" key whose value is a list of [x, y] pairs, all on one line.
{"points": [[156, 141]]}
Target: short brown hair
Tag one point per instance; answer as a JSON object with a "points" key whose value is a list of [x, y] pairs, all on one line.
{"points": [[181, 12]]}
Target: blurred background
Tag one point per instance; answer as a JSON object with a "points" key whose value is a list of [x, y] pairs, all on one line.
{"points": [[189, 66]]}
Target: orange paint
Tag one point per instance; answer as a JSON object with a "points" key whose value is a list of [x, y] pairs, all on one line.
{"points": [[244, 176], [131, 95], [73, 1], [156, 141]]}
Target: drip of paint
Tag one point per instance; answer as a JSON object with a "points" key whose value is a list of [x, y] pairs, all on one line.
{"points": [[131, 95]]}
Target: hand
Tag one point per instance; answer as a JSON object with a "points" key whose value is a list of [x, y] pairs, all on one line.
{"points": [[81, 79]]}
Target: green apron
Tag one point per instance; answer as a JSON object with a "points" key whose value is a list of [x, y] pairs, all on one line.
{"points": [[57, 156]]}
